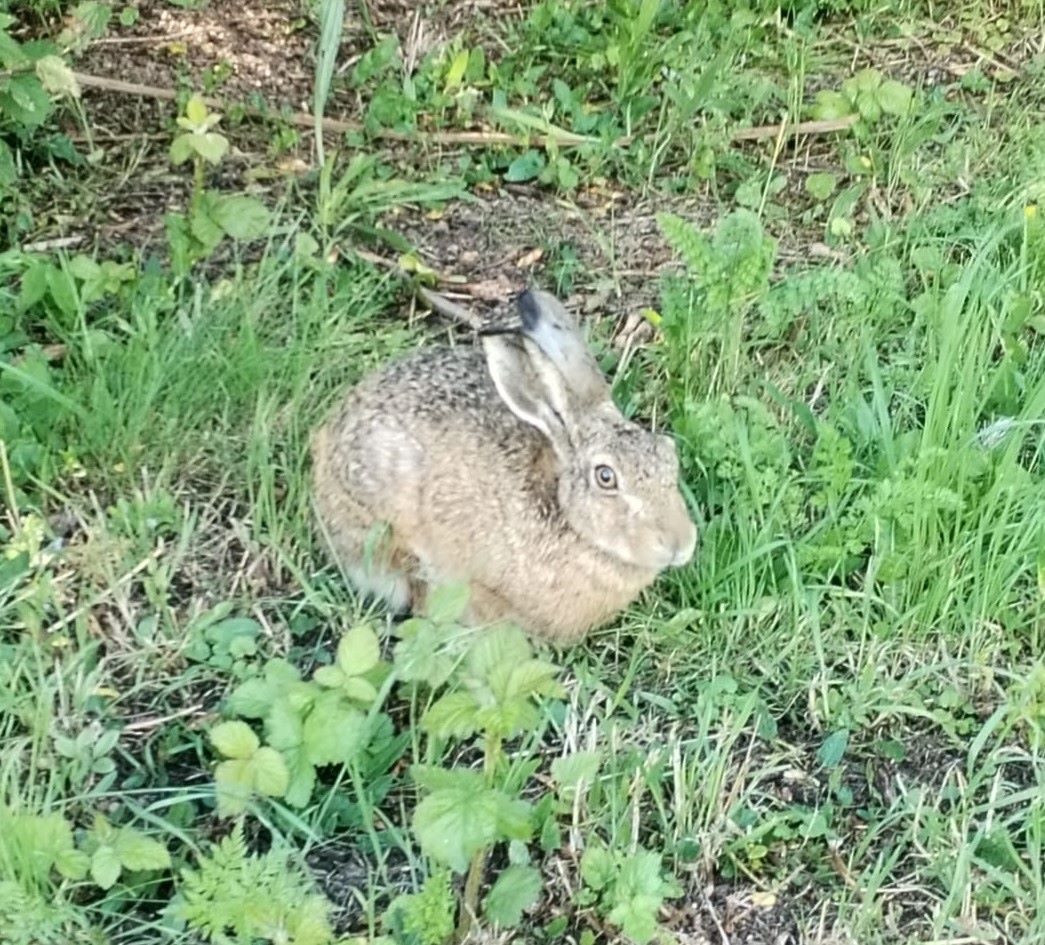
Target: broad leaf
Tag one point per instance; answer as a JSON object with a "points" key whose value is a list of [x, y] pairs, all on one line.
{"points": [[234, 782], [139, 852], [240, 216], [271, 776], [105, 867], [516, 889], [454, 823], [358, 651], [234, 739], [452, 716]]}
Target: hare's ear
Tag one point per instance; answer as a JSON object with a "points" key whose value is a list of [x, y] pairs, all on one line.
{"points": [[531, 387], [547, 323]]}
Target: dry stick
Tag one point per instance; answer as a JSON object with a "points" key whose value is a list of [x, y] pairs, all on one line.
{"points": [[559, 139], [787, 130], [337, 126]]}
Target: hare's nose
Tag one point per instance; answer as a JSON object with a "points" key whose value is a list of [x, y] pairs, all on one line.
{"points": [[684, 547]]}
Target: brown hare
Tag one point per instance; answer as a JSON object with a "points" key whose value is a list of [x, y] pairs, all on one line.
{"points": [[506, 466]]}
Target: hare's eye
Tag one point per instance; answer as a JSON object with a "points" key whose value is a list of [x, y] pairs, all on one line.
{"points": [[605, 477]]}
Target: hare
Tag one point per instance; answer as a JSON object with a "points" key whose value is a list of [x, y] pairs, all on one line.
{"points": [[506, 466]]}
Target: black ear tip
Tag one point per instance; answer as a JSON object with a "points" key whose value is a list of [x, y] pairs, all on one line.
{"points": [[529, 308]]}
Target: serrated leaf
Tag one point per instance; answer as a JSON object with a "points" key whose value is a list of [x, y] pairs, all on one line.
{"points": [[181, 149], [271, 776], [211, 146], [514, 817], [234, 739], [302, 774], [234, 782], [358, 651], [532, 678], [334, 731], [360, 689], [56, 77], [196, 110], [498, 648], [452, 824], [636, 917], [24, 100], [580, 766], [447, 602], [105, 867], [139, 852], [830, 105], [241, 217], [284, 725], [330, 677], [72, 863], [525, 167], [894, 97], [597, 867], [452, 716], [820, 186], [515, 890], [252, 699], [833, 749]]}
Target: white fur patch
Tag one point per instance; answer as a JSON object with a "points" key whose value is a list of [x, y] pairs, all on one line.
{"points": [[391, 587]]}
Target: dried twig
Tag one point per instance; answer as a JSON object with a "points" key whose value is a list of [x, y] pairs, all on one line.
{"points": [[789, 130], [561, 139]]}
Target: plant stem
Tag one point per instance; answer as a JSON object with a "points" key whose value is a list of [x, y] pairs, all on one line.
{"points": [[474, 880], [470, 900]]}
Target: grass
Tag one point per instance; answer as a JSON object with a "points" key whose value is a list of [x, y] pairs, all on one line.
{"points": [[831, 726]]}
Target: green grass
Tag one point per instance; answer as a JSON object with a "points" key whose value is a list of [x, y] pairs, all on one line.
{"points": [[830, 725]]}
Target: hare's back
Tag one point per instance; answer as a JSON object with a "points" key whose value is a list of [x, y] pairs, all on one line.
{"points": [[438, 386]]}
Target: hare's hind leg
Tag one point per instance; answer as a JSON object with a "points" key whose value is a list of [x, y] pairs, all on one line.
{"points": [[365, 550]]}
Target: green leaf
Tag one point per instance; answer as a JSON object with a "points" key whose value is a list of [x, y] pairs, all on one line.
{"points": [[447, 602], [334, 731], [452, 716], [271, 776], [302, 778], [56, 77], [330, 677], [498, 649], [820, 186], [456, 71], [234, 781], [25, 101], [515, 890], [894, 97], [241, 217], [362, 690], [181, 149], [196, 110], [211, 146], [571, 770], [830, 105], [525, 167], [252, 699], [72, 863], [8, 167], [832, 750], [284, 725], [597, 867], [453, 823], [139, 852], [234, 739], [105, 867], [358, 651]]}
